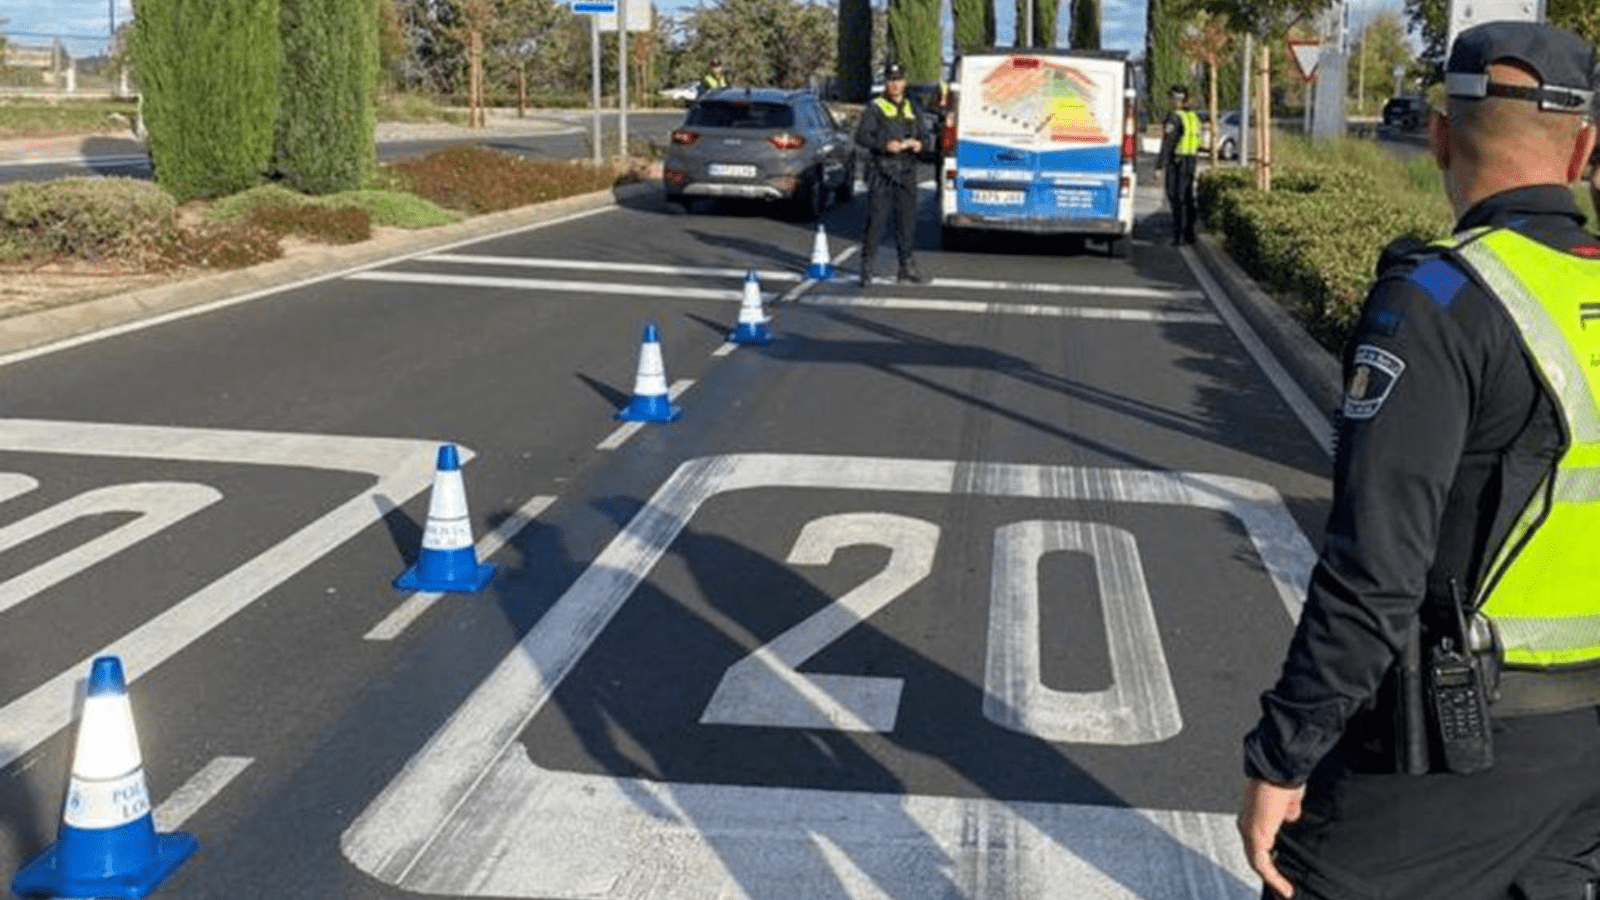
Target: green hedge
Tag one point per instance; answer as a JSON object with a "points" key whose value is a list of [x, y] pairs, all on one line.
{"points": [[1315, 237]]}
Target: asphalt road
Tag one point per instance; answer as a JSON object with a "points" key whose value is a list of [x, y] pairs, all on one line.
{"points": [[964, 589]]}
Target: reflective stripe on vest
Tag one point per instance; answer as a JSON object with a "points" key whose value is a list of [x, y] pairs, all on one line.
{"points": [[1543, 589], [893, 112], [1189, 144], [713, 81]]}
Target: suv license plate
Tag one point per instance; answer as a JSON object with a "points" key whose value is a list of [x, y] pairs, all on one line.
{"points": [[999, 198], [723, 170]]}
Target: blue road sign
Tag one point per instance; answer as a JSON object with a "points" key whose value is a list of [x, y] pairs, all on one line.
{"points": [[604, 7]]}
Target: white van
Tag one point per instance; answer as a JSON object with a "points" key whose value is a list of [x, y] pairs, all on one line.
{"points": [[1040, 141]]}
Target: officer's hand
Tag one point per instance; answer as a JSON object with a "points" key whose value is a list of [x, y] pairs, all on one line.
{"points": [[892, 147], [915, 146], [1264, 810]]}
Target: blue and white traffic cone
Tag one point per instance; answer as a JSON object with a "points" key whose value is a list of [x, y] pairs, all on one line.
{"points": [[650, 402], [752, 325], [107, 845], [448, 561], [821, 268]]}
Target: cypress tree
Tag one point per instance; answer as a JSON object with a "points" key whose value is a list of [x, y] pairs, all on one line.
{"points": [[973, 21], [1044, 23], [323, 141], [1164, 63], [208, 79], [914, 37], [1085, 33], [855, 49]]}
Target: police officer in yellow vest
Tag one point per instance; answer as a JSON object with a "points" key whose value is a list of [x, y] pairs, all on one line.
{"points": [[1180, 142], [1435, 730], [891, 133], [713, 79]]}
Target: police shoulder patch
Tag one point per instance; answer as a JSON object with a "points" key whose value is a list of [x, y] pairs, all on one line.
{"points": [[1373, 373]]}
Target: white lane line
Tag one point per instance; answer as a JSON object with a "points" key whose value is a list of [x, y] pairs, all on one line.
{"points": [[418, 603], [1167, 317], [202, 308], [553, 284], [628, 429], [589, 265], [198, 791], [1052, 287], [1315, 420]]}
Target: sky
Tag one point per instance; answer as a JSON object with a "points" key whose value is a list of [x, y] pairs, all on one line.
{"points": [[84, 25]]}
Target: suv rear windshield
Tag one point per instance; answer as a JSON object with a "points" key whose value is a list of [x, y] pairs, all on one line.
{"points": [[736, 114]]}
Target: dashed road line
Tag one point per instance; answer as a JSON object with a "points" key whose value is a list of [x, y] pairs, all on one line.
{"points": [[589, 265], [628, 429], [978, 307], [198, 791]]}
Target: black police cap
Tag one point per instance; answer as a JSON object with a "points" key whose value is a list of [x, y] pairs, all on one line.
{"points": [[893, 71], [1564, 62]]}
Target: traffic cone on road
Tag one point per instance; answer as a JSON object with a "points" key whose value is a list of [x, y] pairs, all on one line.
{"points": [[107, 845], [448, 560], [752, 326], [650, 401], [821, 268]]}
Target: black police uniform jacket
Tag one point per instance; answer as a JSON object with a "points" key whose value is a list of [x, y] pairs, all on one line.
{"points": [[1444, 435], [874, 132]]}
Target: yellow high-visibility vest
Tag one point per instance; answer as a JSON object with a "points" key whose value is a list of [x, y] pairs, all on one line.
{"points": [[891, 111], [1189, 144], [1542, 590]]}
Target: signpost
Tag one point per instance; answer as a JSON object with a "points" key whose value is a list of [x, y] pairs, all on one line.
{"points": [[621, 17]]}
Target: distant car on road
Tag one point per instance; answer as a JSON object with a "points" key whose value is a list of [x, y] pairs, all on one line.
{"points": [[1228, 136], [684, 93], [760, 144], [1405, 113]]}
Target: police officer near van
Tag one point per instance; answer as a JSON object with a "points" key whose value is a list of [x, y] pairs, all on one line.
{"points": [[891, 132], [1180, 144], [713, 79], [1435, 730]]}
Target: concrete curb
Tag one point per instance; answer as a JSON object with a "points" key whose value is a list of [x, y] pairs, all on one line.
{"points": [[1312, 367], [37, 329]]}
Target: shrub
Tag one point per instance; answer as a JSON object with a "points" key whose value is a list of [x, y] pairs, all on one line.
{"points": [[475, 180], [323, 139], [214, 245], [86, 218], [242, 204], [395, 209], [328, 224]]}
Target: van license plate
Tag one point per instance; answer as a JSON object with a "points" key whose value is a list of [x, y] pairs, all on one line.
{"points": [[999, 198], [723, 170]]}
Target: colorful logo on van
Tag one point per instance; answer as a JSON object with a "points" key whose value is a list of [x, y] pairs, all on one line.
{"points": [[1047, 98]]}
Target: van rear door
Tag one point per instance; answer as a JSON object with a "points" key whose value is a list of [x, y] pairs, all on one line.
{"points": [[1040, 145]]}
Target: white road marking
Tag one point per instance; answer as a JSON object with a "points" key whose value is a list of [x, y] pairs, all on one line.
{"points": [[1316, 421], [1140, 706], [418, 603], [400, 470], [979, 307], [15, 484], [198, 791], [628, 429], [472, 814], [200, 309], [588, 265], [553, 284], [156, 505], [1063, 287]]}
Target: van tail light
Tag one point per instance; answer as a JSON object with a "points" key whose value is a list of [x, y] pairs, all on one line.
{"points": [[1130, 127], [947, 140], [787, 141], [683, 137]]}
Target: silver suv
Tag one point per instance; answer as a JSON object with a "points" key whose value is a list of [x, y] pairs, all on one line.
{"points": [[761, 144]]}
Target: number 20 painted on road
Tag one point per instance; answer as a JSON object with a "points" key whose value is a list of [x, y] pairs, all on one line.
{"points": [[1140, 706]]}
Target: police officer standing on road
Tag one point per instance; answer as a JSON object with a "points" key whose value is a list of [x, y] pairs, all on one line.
{"points": [[713, 79], [891, 132], [1180, 141], [1435, 731]]}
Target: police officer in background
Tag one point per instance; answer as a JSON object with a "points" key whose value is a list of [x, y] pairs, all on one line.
{"points": [[1435, 730], [891, 132], [713, 79], [1180, 141]]}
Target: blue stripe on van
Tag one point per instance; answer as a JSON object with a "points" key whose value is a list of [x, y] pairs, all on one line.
{"points": [[989, 175]]}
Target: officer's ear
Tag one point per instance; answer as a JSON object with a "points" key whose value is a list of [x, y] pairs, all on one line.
{"points": [[1579, 161], [1439, 139]]}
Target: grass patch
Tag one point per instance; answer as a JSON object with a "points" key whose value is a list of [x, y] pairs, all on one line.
{"points": [[42, 118], [417, 108]]}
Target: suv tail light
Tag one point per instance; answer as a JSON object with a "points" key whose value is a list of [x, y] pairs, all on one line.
{"points": [[683, 137], [787, 141]]}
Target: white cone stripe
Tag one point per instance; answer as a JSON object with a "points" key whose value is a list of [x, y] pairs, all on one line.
{"points": [[447, 534], [107, 746], [819, 249], [107, 802], [449, 498], [751, 315], [652, 377]]}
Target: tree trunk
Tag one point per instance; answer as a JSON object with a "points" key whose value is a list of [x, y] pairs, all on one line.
{"points": [[1264, 120]]}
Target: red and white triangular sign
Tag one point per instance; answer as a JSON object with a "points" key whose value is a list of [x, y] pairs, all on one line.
{"points": [[1306, 55]]}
